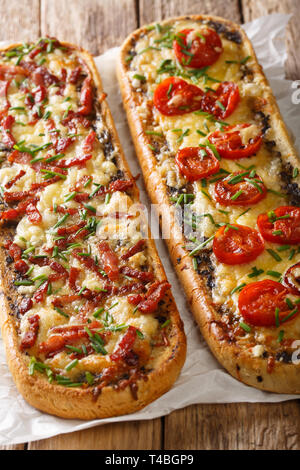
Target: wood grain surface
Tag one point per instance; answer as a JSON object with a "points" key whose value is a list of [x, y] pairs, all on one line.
{"points": [[98, 25]]}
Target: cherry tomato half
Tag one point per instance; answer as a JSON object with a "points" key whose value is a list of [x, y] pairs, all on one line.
{"points": [[196, 163], [175, 96], [223, 101], [281, 226], [258, 302], [292, 279], [197, 49], [229, 143], [237, 244], [245, 191]]}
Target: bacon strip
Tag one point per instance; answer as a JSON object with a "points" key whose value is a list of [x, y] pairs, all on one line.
{"points": [[15, 179], [139, 246], [30, 336], [149, 303], [145, 276], [124, 348], [109, 261]]}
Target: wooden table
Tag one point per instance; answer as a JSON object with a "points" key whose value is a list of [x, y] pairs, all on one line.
{"points": [[98, 25]]}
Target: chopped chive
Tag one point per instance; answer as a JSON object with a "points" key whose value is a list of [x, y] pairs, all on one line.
{"points": [[61, 312], [289, 303], [280, 336], [290, 315], [202, 245], [61, 221], [71, 365], [275, 274], [245, 327], [238, 288], [237, 195], [274, 255]]}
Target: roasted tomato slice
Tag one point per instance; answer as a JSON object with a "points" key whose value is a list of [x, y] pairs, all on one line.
{"points": [[239, 189], [263, 303], [196, 163], [237, 244], [281, 226], [223, 101], [175, 96], [292, 279], [197, 49], [230, 144]]}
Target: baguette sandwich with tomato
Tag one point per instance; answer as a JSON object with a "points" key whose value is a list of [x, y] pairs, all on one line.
{"points": [[214, 150], [89, 324]]}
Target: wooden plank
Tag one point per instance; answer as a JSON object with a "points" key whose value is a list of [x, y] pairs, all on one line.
{"points": [[255, 8], [95, 25], [157, 10], [19, 21], [235, 427], [139, 435]]}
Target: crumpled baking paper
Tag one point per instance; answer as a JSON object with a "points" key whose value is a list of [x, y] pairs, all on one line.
{"points": [[202, 379]]}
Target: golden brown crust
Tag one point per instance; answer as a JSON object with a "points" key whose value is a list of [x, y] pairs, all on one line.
{"points": [[81, 403], [285, 378]]}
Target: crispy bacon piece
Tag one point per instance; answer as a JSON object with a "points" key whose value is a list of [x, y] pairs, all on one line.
{"points": [[75, 75], [145, 276], [4, 84], [19, 157], [42, 76], [109, 261], [76, 161], [81, 197], [64, 210], [7, 138], [120, 185], [10, 71], [139, 246], [62, 144], [40, 293], [21, 266], [63, 335], [14, 250], [15, 179], [88, 262], [89, 141], [124, 351], [62, 231], [65, 299], [39, 93], [149, 302], [81, 182], [58, 268], [131, 287], [33, 213], [73, 118], [86, 97], [40, 260], [73, 276], [30, 336], [25, 305]]}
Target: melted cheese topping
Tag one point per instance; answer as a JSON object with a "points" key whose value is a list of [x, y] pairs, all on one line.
{"points": [[37, 239], [153, 54]]}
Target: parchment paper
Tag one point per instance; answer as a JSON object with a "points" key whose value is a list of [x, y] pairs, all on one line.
{"points": [[202, 379]]}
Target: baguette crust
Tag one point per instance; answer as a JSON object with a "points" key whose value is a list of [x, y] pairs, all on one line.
{"points": [[79, 403], [285, 378]]}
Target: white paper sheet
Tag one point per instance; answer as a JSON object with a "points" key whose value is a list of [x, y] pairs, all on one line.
{"points": [[202, 379]]}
